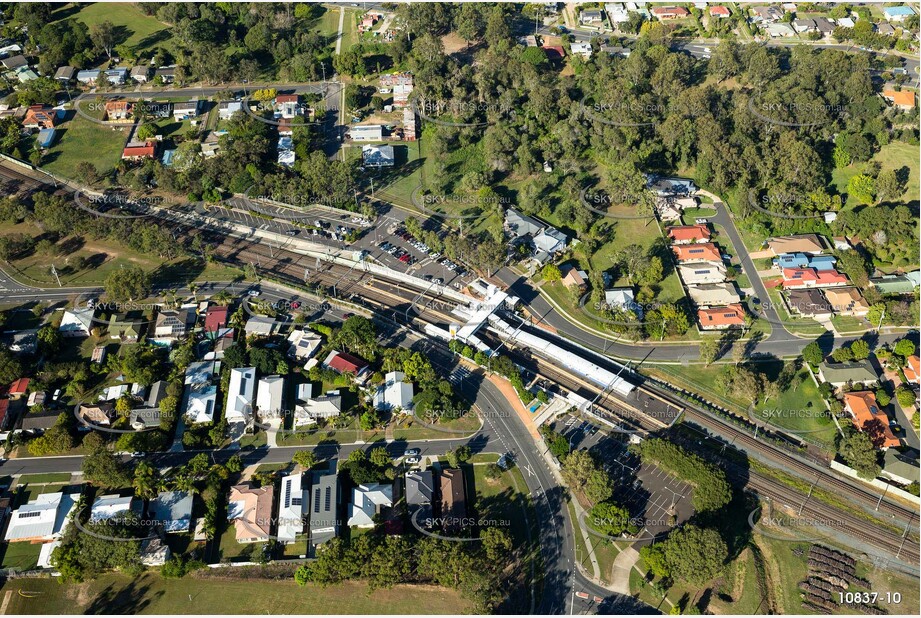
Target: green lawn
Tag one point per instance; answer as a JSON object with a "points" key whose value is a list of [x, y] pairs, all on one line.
{"points": [[83, 140], [232, 550], [800, 410], [22, 555], [506, 502], [150, 594], [740, 587], [51, 477], [133, 27], [892, 156], [408, 428]]}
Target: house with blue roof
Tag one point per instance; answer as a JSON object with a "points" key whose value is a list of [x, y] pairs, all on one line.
{"points": [[897, 13], [88, 76], [803, 260]]}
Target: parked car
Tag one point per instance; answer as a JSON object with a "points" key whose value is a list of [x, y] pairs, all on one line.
{"points": [[412, 452], [253, 293]]}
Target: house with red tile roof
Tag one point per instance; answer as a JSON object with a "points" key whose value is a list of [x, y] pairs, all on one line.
{"points": [[868, 418], [216, 321], [812, 278], [721, 318], [719, 11], [554, 52], [18, 388], [699, 252], [912, 368], [669, 12], [903, 99], [40, 117], [343, 362], [685, 234], [136, 151]]}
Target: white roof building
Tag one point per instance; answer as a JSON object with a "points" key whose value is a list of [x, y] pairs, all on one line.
{"points": [[292, 504], [270, 396], [201, 401], [366, 503], [696, 273], [108, 507], [394, 394], [304, 344], [260, 325], [378, 156], [714, 294], [240, 394], [43, 519], [367, 133], [622, 298], [550, 240], [581, 49], [77, 322]]}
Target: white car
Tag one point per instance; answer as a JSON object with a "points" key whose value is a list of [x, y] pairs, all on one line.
{"points": [[701, 221], [253, 293]]}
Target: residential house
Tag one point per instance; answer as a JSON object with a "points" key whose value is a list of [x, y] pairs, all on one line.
{"points": [[37, 398], [343, 362], [420, 493], [671, 187], [802, 243], [270, 394], [848, 373], [824, 26], [18, 389], [250, 510], [154, 552], [37, 423], [202, 372], [804, 25], [804, 260], [688, 234], [912, 369], [719, 11], [116, 76], [172, 510], [117, 110], [377, 156], [101, 414], [623, 299], [885, 28], [902, 470], [573, 277], [65, 75], [699, 273], [549, 242], [409, 125], [211, 144], [367, 133], [185, 110], [303, 344], [453, 505], [142, 419], [617, 13], [780, 30], [98, 355], [870, 419], [897, 14], [15, 62], [897, 284], [292, 508], [519, 225], [714, 294], [201, 399], [698, 252], [812, 278], [140, 73], [848, 301], [88, 76], [591, 17], [166, 74], [809, 303], [226, 109], [42, 519], [135, 151], [40, 117], [581, 49], [324, 505], [903, 99], [124, 329], [394, 393], [240, 392], [721, 318], [401, 84], [112, 506], [216, 322], [173, 323], [286, 154], [669, 12], [367, 502], [310, 409], [766, 13], [260, 326], [287, 105]]}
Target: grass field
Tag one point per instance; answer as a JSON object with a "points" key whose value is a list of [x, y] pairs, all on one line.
{"points": [[150, 594], [408, 428], [892, 156], [19, 555], [134, 28], [83, 140]]}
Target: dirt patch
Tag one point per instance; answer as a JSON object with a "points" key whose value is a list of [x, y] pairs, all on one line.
{"points": [[453, 43], [772, 574]]}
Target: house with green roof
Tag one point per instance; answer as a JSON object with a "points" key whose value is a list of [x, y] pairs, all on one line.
{"points": [[124, 329], [852, 372]]}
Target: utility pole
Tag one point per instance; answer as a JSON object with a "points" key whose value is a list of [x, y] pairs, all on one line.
{"points": [[55, 273]]}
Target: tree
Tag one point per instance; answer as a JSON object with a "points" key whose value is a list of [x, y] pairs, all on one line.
{"points": [[147, 481], [812, 354], [904, 348], [103, 36], [862, 187], [305, 459], [49, 339], [459, 455], [860, 349], [695, 555], [709, 350], [551, 273], [905, 396], [10, 367], [858, 452], [103, 469], [380, 457], [843, 354], [609, 518], [125, 284]]}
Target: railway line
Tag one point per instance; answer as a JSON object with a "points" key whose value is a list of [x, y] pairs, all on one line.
{"points": [[291, 266]]}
